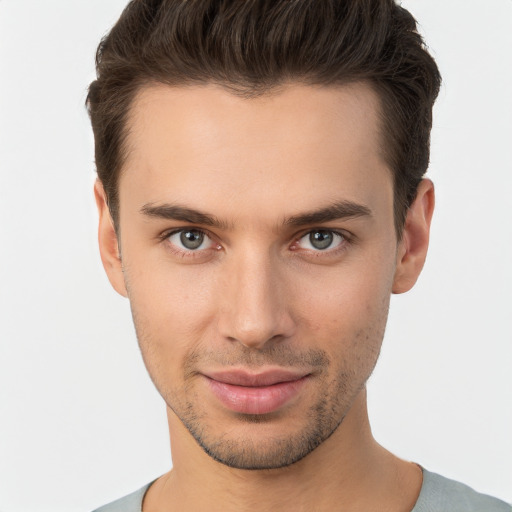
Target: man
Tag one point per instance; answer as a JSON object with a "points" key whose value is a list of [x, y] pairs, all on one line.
{"points": [[261, 195]]}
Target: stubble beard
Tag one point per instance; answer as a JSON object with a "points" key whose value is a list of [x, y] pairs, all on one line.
{"points": [[338, 389], [275, 451]]}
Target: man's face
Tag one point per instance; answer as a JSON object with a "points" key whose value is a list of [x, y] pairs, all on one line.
{"points": [[259, 252]]}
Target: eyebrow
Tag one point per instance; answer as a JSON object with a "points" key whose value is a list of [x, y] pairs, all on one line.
{"points": [[182, 213], [338, 210]]}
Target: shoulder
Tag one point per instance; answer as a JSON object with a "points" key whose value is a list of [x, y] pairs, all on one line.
{"points": [[440, 494], [130, 503]]}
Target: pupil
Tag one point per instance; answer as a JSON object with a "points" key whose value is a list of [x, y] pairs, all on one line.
{"points": [[321, 239], [191, 239]]}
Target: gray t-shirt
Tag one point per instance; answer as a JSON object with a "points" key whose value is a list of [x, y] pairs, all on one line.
{"points": [[438, 494]]}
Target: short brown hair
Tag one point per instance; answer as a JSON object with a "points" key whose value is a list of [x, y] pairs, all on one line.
{"points": [[251, 47]]}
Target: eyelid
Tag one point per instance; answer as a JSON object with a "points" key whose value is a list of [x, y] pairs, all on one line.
{"points": [[172, 231], [164, 237], [347, 238]]}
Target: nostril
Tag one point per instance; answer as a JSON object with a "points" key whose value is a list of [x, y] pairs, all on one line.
{"points": [[254, 301]]}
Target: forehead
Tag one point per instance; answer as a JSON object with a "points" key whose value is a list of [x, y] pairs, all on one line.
{"points": [[297, 147]]}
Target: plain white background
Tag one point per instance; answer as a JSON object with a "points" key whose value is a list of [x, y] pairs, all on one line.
{"points": [[80, 423]]}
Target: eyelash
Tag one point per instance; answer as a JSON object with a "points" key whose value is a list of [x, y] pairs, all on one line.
{"points": [[184, 253], [346, 240]]}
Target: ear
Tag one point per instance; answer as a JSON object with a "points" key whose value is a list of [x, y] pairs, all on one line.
{"points": [[108, 242], [412, 249]]}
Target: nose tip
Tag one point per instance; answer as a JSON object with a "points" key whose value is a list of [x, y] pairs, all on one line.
{"points": [[256, 335], [255, 323], [257, 310]]}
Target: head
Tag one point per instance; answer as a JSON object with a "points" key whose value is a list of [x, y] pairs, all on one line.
{"points": [[260, 192], [253, 48]]}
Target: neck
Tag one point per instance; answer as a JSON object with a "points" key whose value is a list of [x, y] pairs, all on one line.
{"points": [[347, 471]]}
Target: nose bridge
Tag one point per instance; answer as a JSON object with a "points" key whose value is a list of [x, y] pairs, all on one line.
{"points": [[256, 309]]}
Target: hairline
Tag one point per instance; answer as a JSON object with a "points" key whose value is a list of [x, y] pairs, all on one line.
{"points": [[249, 91]]}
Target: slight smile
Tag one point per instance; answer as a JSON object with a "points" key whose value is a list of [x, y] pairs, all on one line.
{"points": [[249, 393]]}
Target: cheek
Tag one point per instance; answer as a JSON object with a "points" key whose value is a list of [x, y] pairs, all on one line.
{"points": [[172, 311], [167, 291], [342, 299], [346, 314]]}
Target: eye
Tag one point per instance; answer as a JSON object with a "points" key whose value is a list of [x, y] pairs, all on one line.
{"points": [[320, 240], [190, 239]]}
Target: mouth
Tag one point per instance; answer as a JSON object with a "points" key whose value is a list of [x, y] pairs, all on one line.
{"points": [[260, 393]]}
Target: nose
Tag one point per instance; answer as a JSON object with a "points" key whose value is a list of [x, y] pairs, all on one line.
{"points": [[256, 305]]}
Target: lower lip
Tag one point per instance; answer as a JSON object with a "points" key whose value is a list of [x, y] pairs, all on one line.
{"points": [[255, 400]]}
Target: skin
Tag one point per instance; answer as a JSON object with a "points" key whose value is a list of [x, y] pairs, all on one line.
{"points": [[257, 294]]}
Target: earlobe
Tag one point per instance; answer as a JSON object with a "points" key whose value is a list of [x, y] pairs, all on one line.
{"points": [[412, 249], [108, 242]]}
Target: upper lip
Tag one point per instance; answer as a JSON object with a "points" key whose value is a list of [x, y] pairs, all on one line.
{"points": [[240, 377]]}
